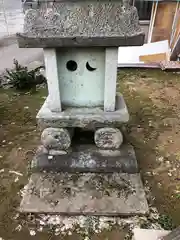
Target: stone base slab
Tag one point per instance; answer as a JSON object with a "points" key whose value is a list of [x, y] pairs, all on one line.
{"points": [[86, 118], [85, 194], [88, 158]]}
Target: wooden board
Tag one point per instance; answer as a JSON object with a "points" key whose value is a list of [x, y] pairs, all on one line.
{"points": [[176, 50], [175, 43], [164, 21], [153, 15], [170, 65], [177, 31], [158, 57]]}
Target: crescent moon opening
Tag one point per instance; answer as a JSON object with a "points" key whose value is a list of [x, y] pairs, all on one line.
{"points": [[91, 69]]}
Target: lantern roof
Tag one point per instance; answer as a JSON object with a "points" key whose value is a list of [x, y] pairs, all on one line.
{"points": [[80, 23]]}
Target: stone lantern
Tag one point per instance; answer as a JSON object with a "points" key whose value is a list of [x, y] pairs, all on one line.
{"points": [[80, 41]]}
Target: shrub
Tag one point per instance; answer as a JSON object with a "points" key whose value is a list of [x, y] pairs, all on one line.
{"points": [[166, 222], [23, 79]]}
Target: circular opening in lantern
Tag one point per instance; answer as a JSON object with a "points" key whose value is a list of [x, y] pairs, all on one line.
{"points": [[71, 65]]}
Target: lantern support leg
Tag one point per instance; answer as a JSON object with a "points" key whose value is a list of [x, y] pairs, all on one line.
{"points": [[108, 138], [111, 61], [54, 98]]}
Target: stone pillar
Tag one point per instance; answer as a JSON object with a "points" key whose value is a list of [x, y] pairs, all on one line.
{"points": [[111, 61], [54, 98]]}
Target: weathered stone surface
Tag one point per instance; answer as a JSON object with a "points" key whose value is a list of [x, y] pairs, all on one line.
{"points": [[81, 23], [56, 138], [148, 234], [87, 118], [108, 138], [88, 158], [32, 42], [41, 150], [90, 194]]}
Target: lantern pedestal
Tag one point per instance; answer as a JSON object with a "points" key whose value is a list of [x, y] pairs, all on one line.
{"points": [[86, 118], [85, 158]]}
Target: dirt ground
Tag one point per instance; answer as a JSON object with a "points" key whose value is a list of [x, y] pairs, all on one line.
{"points": [[153, 99]]}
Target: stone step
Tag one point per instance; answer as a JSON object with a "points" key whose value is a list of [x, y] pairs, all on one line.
{"points": [[87, 158], [116, 194], [149, 234]]}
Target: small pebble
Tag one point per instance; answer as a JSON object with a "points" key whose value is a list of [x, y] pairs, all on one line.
{"points": [[16, 179], [150, 123], [10, 143], [1, 156], [18, 228], [26, 107], [86, 238], [32, 232], [15, 172], [42, 222], [169, 174], [40, 229], [16, 216], [168, 163], [160, 159], [2, 170], [50, 157], [3, 141], [177, 191]]}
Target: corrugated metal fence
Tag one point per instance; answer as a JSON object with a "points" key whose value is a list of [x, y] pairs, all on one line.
{"points": [[11, 17]]}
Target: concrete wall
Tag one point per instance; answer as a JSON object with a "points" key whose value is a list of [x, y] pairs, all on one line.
{"points": [[11, 17]]}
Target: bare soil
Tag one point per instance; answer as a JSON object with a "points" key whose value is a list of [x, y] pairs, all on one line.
{"points": [[153, 101]]}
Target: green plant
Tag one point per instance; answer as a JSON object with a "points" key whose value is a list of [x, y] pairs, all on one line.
{"points": [[178, 196], [23, 79], [166, 222]]}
